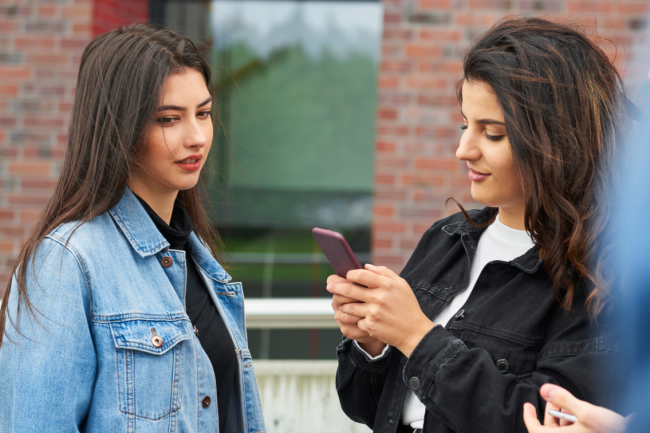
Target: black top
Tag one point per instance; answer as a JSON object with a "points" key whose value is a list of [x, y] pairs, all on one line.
{"points": [[510, 337], [212, 332]]}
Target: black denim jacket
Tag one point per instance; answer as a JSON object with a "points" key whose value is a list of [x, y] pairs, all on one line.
{"points": [[509, 338]]}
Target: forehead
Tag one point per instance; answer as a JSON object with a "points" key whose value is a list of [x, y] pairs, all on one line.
{"points": [[185, 88], [480, 101]]}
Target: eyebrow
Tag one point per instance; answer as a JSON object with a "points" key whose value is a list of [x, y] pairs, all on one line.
{"points": [[178, 108], [485, 121]]}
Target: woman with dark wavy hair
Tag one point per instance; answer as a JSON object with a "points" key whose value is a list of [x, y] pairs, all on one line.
{"points": [[496, 302], [118, 316]]}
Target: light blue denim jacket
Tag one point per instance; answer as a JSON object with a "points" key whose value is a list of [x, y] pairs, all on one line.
{"points": [[88, 361]]}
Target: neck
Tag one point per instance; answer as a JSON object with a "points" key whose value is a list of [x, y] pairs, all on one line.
{"points": [[162, 202], [512, 217]]}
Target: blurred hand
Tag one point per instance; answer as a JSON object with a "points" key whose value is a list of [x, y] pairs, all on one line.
{"points": [[349, 323], [591, 419], [386, 308]]}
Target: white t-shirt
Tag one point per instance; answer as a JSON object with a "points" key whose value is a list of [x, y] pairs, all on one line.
{"points": [[498, 242]]}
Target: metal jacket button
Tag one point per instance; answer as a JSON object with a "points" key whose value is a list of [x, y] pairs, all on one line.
{"points": [[460, 314], [155, 339], [503, 365], [166, 262], [206, 401], [414, 383]]}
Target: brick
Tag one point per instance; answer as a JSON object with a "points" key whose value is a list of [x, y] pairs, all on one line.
{"points": [[389, 259], [412, 179], [408, 244], [383, 211], [419, 50], [46, 59], [33, 42], [7, 121], [8, 90], [436, 164], [642, 7], [20, 72], [384, 179], [397, 34], [429, 18], [436, 4], [396, 66], [389, 227], [387, 82], [77, 43], [391, 162], [26, 200], [381, 244], [11, 58], [38, 184], [43, 121], [439, 35], [35, 168], [425, 82], [541, 5], [420, 213], [385, 146], [46, 11], [387, 113], [30, 215], [45, 26], [6, 247], [589, 6]]}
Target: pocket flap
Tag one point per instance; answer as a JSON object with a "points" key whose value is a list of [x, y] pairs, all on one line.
{"points": [[139, 335]]}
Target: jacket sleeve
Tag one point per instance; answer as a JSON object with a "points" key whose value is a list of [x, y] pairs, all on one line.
{"points": [[463, 387], [360, 381], [48, 361]]}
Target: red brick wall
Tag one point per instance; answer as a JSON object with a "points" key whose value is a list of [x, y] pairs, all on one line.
{"points": [[108, 14], [418, 118], [40, 48]]}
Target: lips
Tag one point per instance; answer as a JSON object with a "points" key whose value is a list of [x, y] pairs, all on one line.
{"points": [[477, 176], [191, 163]]}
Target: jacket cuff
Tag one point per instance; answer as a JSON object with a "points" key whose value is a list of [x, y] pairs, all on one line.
{"points": [[358, 358], [435, 349]]}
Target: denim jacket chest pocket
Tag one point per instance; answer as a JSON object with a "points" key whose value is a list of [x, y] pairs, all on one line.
{"points": [[149, 359]]}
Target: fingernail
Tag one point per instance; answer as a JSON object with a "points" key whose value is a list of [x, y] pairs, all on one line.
{"points": [[329, 287], [547, 391], [370, 267]]}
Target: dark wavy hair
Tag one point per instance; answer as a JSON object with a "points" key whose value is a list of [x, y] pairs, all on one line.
{"points": [[120, 83], [566, 112]]}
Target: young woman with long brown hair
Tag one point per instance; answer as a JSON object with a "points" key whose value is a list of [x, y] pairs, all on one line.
{"points": [[118, 316], [496, 302]]}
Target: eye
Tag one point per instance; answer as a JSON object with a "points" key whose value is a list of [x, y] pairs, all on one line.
{"points": [[165, 120], [494, 137], [204, 114], [464, 127]]}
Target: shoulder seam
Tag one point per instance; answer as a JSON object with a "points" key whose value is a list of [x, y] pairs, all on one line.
{"points": [[81, 265]]}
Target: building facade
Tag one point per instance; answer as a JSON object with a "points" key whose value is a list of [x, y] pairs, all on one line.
{"points": [[405, 154]]}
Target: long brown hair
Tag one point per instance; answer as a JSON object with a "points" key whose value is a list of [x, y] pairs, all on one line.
{"points": [[120, 82], [566, 110]]}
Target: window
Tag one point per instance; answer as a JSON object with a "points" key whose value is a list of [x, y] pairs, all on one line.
{"points": [[296, 93]]}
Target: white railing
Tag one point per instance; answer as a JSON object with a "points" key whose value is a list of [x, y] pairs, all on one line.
{"points": [[298, 396], [274, 313]]}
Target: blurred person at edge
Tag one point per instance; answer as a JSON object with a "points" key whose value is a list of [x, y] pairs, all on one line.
{"points": [[631, 254], [496, 302], [118, 316]]}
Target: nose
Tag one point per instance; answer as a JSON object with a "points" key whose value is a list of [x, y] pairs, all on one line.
{"points": [[468, 150], [196, 134]]}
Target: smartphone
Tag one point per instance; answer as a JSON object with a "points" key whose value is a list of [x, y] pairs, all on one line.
{"points": [[337, 251]]}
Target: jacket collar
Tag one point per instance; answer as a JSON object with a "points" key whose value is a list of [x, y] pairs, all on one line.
{"points": [[146, 240], [528, 262]]}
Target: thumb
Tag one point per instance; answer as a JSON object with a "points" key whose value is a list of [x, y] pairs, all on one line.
{"points": [[383, 271], [562, 398]]}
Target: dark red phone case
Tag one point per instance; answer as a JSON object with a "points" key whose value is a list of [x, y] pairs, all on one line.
{"points": [[337, 251]]}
